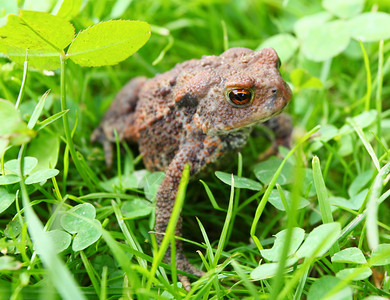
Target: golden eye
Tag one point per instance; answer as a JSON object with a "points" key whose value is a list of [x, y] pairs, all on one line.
{"points": [[239, 97]]}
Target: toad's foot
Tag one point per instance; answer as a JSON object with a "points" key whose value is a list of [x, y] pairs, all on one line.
{"points": [[181, 262], [184, 265]]}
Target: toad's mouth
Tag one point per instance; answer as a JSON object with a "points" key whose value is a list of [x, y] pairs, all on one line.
{"points": [[239, 126]]}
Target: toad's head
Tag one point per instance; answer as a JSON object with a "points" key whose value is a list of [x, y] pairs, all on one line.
{"points": [[237, 89]]}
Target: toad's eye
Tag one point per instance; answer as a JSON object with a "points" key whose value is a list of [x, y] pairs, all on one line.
{"points": [[239, 97]]}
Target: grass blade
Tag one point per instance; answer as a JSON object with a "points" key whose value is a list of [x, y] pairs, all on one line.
{"points": [[365, 142], [368, 78], [90, 272], [210, 253], [378, 102], [129, 236], [68, 135], [38, 110], [22, 86], [278, 280], [372, 207], [103, 284], [322, 195], [51, 119], [249, 285], [211, 196], [122, 259], [222, 239]]}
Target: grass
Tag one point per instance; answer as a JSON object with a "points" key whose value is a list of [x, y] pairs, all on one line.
{"points": [[336, 175]]}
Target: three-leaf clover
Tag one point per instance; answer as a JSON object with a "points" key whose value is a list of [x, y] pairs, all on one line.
{"points": [[80, 220]]}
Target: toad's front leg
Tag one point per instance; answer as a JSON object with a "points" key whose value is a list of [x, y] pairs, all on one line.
{"points": [[166, 195], [165, 198]]}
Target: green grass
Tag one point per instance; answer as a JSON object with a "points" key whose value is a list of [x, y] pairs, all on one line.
{"points": [[334, 177]]}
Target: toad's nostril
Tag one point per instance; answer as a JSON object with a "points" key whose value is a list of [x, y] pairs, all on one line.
{"points": [[274, 90]]}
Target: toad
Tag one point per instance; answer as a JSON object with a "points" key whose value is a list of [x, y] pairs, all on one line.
{"points": [[195, 113]]}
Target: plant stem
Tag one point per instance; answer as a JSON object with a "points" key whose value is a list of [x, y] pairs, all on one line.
{"points": [[68, 134]]}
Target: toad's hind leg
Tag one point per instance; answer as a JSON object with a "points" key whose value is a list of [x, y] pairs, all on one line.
{"points": [[119, 117]]}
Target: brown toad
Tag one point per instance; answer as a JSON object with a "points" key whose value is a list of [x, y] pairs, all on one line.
{"points": [[195, 113]]}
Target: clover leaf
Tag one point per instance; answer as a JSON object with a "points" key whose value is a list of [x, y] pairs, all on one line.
{"points": [[80, 220]]}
